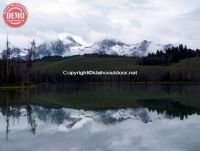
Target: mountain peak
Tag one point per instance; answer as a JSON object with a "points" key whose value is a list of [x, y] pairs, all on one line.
{"points": [[110, 43], [145, 42], [71, 42], [70, 38]]}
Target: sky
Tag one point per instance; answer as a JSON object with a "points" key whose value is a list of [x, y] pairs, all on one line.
{"points": [[130, 21]]}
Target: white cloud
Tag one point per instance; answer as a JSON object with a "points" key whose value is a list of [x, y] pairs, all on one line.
{"points": [[164, 21], [161, 134]]}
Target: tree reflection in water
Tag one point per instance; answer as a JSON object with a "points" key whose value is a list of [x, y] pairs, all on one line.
{"points": [[15, 104], [11, 106]]}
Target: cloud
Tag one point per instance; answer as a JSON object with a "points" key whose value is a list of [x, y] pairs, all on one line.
{"points": [[161, 134], [163, 21]]}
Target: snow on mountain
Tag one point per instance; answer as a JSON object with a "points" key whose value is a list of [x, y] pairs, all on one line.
{"points": [[145, 47], [72, 46], [115, 47], [66, 47], [69, 47], [107, 46]]}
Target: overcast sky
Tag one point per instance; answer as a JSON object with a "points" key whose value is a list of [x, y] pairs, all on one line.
{"points": [[131, 21]]}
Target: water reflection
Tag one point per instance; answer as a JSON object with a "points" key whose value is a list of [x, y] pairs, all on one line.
{"points": [[123, 128], [171, 108], [12, 110], [70, 118], [132, 117]]}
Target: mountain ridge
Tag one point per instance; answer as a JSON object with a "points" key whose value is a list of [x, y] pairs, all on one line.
{"points": [[70, 46]]}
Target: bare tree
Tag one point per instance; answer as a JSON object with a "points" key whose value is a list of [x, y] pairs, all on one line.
{"points": [[29, 62], [7, 58]]}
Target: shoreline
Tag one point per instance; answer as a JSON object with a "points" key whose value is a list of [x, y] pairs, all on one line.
{"points": [[17, 86]]}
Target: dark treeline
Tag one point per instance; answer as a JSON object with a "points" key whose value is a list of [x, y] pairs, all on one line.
{"points": [[171, 55], [49, 58], [106, 56]]}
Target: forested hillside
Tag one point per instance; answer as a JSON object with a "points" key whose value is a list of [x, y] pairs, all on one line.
{"points": [[177, 64]]}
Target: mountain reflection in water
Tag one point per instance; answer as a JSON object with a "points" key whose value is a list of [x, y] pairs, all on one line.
{"points": [[154, 124]]}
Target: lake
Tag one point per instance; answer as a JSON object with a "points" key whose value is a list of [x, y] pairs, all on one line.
{"points": [[100, 117]]}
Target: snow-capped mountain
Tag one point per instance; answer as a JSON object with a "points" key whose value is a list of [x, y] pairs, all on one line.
{"points": [[66, 47], [107, 46], [71, 42], [69, 47], [145, 47]]}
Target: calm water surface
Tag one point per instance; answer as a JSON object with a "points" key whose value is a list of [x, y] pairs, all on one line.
{"points": [[97, 117]]}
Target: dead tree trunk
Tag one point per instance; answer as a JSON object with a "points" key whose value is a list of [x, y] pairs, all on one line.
{"points": [[7, 59], [27, 78]]}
